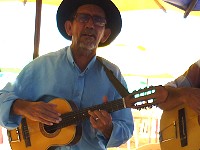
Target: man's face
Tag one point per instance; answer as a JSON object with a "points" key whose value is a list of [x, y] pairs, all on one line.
{"points": [[88, 27]]}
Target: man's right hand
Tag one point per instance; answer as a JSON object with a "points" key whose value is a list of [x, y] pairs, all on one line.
{"points": [[45, 113]]}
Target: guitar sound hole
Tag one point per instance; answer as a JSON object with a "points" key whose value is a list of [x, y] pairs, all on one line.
{"points": [[50, 129]]}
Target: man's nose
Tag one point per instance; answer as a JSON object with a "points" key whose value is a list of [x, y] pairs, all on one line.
{"points": [[90, 23]]}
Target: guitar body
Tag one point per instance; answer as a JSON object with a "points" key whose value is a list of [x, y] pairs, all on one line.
{"points": [[180, 129], [38, 138]]}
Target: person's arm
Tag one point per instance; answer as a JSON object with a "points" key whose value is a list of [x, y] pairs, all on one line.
{"points": [[19, 99], [122, 128], [114, 129], [185, 95], [12, 108], [7, 97], [37, 111], [171, 99], [184, 90], [102, 121], [167, 98]]}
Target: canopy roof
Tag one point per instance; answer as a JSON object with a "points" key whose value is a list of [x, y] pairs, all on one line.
{"points": [[125, 5]]}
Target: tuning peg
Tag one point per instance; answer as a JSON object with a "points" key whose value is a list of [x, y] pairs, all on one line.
{"points": [[150, 106]]}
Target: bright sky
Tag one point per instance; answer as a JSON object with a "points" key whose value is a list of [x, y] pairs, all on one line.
{"points": [[151, 42]]}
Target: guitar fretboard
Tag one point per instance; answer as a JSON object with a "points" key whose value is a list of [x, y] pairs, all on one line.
{"points": [[77, 117]]}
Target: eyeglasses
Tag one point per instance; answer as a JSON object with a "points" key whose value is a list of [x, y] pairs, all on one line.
{"points": [[84, 18]]}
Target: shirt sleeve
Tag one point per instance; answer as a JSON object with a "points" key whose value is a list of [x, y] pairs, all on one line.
{"points": [[9, 94], [7, 97], [122, 130], [191, 78]]}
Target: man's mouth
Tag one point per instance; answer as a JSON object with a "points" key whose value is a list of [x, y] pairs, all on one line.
{"points": [[89, 35]]}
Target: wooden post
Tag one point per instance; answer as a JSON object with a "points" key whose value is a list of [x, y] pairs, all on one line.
{"points": [[37, 28]]}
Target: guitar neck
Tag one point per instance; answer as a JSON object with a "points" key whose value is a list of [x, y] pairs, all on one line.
{"points": [[77, 117]]}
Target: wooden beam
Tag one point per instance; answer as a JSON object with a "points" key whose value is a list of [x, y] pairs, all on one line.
{"points": [[37, 28]]}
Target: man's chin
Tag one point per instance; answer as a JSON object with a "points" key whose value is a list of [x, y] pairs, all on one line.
{"points": [[88, 46]]}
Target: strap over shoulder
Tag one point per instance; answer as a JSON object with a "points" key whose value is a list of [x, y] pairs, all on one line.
{"points": [[116, 83]]}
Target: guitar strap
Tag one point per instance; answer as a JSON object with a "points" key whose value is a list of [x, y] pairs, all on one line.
{"points": [[116, 83]]}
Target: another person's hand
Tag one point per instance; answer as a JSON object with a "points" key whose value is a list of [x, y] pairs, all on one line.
{"points": [[146, 97], [191, 97], [37, 111], [168, 98]]}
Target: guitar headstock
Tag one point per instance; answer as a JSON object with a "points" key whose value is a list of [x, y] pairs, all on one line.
{"points": [[142, 98]]}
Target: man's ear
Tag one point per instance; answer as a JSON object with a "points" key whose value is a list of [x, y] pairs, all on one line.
{"points": [[68, 28], [106, 35]]}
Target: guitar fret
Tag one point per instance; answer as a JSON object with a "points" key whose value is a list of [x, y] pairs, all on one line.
{"points": [[79, 116]]}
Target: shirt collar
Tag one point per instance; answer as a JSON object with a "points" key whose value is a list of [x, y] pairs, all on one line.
{"points": [[69, 56], [71, 59]]}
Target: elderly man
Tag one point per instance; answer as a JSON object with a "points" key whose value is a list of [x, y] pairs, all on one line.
{"points": [[72, 74]]}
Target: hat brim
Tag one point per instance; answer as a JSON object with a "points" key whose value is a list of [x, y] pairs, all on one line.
{"points": [[114, 21]]}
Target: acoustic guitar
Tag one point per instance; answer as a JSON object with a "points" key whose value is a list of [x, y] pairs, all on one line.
{"points": [[32, 135], [180, 129]]}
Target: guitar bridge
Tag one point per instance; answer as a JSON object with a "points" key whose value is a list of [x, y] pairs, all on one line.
{"points": [[170, 129], [182, 127], [15, 137], [20, 134]]}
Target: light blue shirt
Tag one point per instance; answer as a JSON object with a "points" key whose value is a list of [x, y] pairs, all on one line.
{"points": [[57, 74]]}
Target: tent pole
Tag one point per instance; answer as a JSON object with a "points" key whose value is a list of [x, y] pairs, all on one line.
{"points": [[37, 28]]}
